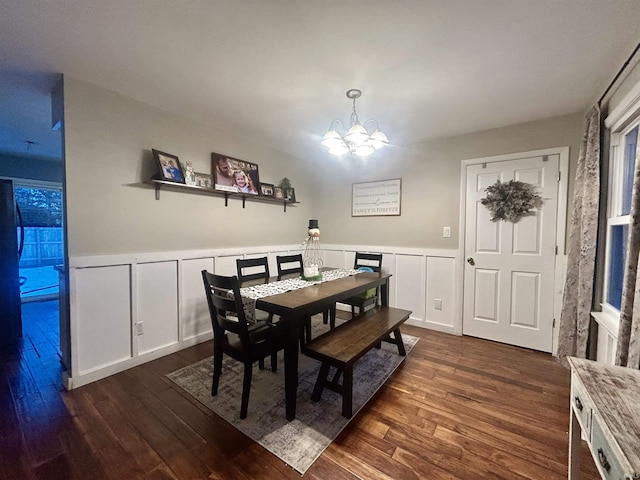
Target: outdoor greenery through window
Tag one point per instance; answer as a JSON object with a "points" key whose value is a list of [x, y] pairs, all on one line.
{"points": [[42, 213]]}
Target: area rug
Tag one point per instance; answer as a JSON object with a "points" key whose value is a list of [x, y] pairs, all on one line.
{"points": [[299, 442]]}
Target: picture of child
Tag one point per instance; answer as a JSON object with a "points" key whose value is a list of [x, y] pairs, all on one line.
{"points": [[234, 175]]}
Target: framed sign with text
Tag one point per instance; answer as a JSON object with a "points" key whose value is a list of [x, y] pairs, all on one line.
{"points": [[376, 198]]}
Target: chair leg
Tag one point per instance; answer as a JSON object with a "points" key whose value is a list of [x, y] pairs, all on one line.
{"points": [[274, 362], [246, 387], [261, 363], [217, 370], [307, 328]]}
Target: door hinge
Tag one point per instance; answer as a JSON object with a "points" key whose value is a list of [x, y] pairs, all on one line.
{"points": [[554, 323], [556, 249], [559, 175]]}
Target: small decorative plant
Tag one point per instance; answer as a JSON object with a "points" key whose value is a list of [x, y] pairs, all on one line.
{"points": [[511, 200], [285, 184]]}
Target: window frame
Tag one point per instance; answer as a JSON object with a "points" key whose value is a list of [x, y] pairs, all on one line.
{"points": [[615, 203]]}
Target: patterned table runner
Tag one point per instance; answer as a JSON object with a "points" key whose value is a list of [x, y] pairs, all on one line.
{"points": [[251, 294]]}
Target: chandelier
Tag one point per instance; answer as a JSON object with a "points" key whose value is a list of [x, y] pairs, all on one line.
{"points": [[356, 140]]}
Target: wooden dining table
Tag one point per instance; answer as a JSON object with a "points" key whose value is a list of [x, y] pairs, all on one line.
{"points": [[293, 306]]}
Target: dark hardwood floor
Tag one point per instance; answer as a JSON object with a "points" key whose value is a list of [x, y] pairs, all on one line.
{"points": [[457, 408]]}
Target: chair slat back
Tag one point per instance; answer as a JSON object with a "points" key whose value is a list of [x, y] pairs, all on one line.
{"points": [[226, 313], [288, 264], [371, 260], [259, 268]]}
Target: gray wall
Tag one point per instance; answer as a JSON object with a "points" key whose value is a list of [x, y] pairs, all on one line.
{"points": [[430, 173], [108, 138], [14, 166]]}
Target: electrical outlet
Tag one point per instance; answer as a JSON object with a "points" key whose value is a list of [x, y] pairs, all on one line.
{"points": [[437, 303], [139, 328], [446, 232]]}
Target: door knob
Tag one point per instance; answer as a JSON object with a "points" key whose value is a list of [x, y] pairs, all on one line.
{"points": [[471, 261]]}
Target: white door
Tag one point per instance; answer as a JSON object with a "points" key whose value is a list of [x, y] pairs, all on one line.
{"points": [[509, 267]]}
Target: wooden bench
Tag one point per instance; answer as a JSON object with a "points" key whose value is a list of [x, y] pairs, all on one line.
{"points": [[344, 345]]}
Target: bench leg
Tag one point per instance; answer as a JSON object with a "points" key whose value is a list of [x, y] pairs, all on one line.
{"points": [[336, 377], [347, 392], [398, 336], [320, 382]]}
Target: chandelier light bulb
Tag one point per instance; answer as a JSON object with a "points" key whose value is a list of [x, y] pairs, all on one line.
{"points": [[378, 140], [339, 150], [357, 139], [357, 134], [364, 150], [331, 139]]}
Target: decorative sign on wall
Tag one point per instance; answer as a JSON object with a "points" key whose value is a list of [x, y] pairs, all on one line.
{"points": [[376, 198]]}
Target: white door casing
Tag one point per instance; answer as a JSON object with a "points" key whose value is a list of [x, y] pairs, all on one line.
{"points": [[508, 292]]}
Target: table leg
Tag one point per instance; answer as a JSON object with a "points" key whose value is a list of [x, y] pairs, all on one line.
{"points": [[575, 445], [291, 367]]}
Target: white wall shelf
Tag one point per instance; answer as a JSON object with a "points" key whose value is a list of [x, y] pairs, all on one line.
{"points": [[159, 184]]}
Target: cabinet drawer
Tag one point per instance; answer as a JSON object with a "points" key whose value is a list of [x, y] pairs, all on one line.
{"points": [[581, 404], [603, 454]]}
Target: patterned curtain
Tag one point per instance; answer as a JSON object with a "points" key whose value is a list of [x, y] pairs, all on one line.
{"points": [[628, 351], [583, 231]]}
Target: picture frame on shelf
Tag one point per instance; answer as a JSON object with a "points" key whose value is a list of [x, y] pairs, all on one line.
{"points": [[234, 175], [203, 180], [290, 195], [266, 190], [169, 167], [277, 193]]}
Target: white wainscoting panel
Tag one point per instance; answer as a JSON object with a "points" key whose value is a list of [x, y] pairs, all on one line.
{"points": [[194, 317], [440, 292], [410, 285], [103, 312], [226, 265], [157, 305], [110, 293]]}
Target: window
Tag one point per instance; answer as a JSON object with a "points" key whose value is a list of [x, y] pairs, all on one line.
{"points": [[43, 247], [621, 174]]}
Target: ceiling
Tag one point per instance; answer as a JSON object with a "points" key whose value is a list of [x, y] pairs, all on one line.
{"points": [[277, 70]]}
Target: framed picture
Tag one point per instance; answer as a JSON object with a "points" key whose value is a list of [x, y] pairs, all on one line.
{"points": [[203, 180], [234, 175], [266, 189], [277, 193], [169, 167], [379, 198], [290, 194]]}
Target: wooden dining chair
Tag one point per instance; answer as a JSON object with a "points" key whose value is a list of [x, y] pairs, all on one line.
{"points": [[233, 336], [371, 262], [289, 264], [250, 269]]}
